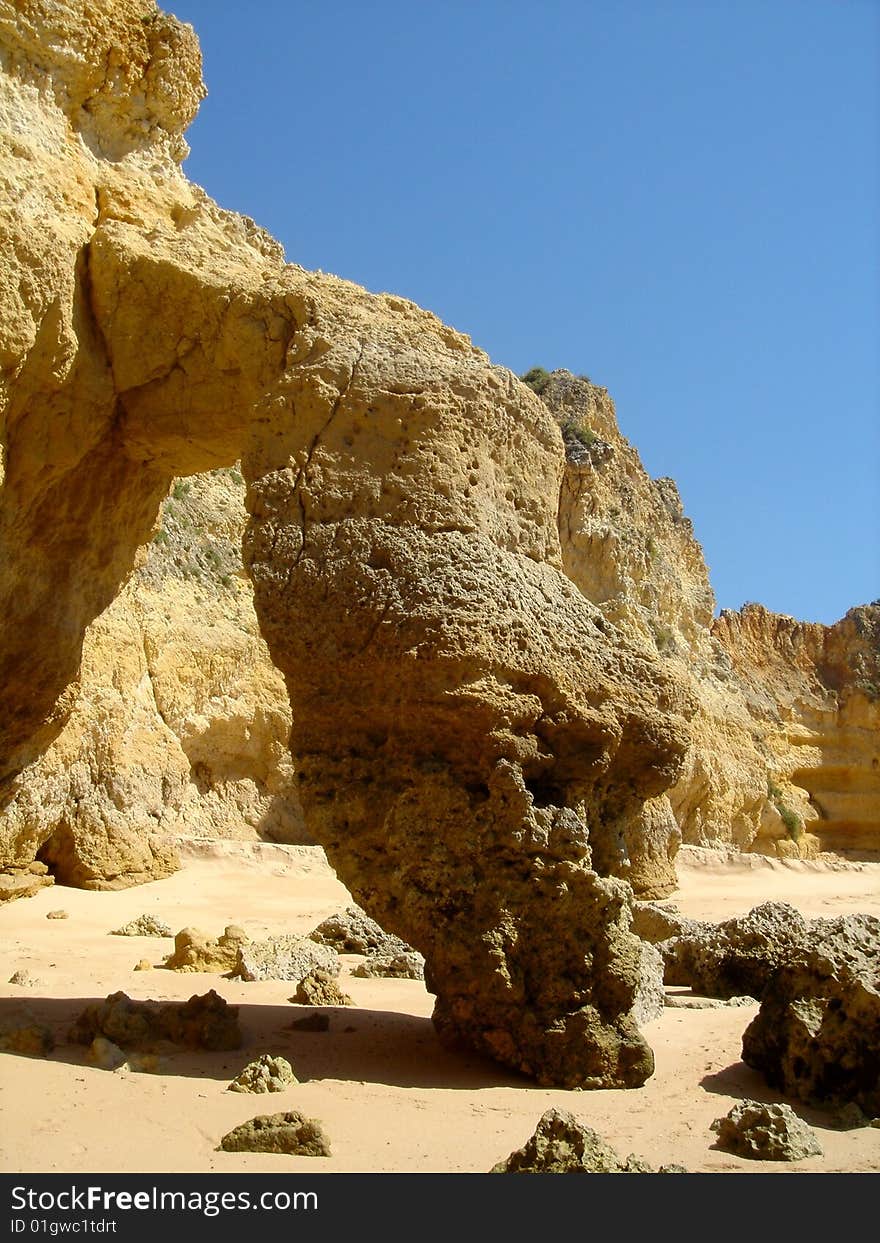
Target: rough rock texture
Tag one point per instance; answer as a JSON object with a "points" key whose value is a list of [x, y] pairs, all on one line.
{"points": [[739, 956], [784, 739], [766, 1133], [353, 932], [654, 923], [283, 958], [290, 1132], [407, 965], [817, 1034], [27, 1039], [181, 723], [104, 1054], [265, 1074], [481, 784], [320, 988], [562, 1145], [650, 999], [195, 950], [205, 1022], [143, 926]]}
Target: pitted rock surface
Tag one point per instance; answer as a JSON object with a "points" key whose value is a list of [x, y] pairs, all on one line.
{"points": [[499, 749], [817, 1034], [766, 1133]]}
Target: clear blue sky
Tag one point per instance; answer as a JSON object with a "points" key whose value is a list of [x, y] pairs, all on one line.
{"points": [[678, 198]]}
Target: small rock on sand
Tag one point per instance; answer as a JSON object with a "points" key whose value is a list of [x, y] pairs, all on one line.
{"points": [[143, 926], [265, 1074], [319, 988], [288, 1133], [59, 914], [24, 979], [766, 1133]]}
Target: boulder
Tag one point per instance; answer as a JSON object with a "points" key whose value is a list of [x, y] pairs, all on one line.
{"points": [[562, 1145], [290, 1133], [195, 950], [766, 1133], [816, 1036], [737, 957], [353, 932], [265, 1074], [205, 1022], [283, 958], [320, 988]]}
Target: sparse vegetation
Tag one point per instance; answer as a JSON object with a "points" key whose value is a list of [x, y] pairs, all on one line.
{"points": [[573, 430], [537, 379], [181, 489], [794, 826]]}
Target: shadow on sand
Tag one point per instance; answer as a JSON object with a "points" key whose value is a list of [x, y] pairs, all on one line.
{"points": [[361, 1045]]}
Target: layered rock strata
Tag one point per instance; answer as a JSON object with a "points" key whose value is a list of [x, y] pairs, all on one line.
{"points": [[785, 755]]}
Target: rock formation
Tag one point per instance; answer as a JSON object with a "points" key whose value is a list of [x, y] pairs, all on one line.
{"points": [[195, 950], [739, 956], [283, 958], [290, 1133], [265, 1074], [353, 932], [320, 988], [562, 1145], [784, 757], [817, 1034], [205, 1022], [481, 780], [181, 724], [766, 1133]]}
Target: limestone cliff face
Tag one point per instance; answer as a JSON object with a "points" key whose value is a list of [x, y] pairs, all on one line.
{"points": [[181, 723], [784, 740], [816, 691], [475, 741]]}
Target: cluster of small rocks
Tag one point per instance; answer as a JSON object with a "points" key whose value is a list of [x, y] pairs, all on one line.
{"points": [[205, 1022], [143, 926]]}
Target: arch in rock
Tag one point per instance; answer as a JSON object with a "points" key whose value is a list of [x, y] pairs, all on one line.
{"points": [[472, 737]]}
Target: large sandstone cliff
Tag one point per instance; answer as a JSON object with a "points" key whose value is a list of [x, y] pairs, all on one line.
{"points": [[784, 756], [475, 741], [181, 723]]}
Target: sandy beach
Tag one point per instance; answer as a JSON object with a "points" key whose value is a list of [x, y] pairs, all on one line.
{"points": [[390, 1097]]}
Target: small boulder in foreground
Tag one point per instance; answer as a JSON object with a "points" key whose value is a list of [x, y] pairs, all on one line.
{"points": [[290, 1133], [562, 1145], [265, 1074], [766, 1133]]}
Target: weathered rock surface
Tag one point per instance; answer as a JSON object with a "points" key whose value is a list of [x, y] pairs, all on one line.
{"points": [[320, 988], [283, 958], [195, 950], [353, 932], [817, 1034], [408, 965], [289, 1132], [739, 956], [27, 1039], [766, 1133], [104, 1054], [784, 737], [143, 926], [205, 1022], [650, 998], [265, 1074], [481, 786], [562, 1145]]}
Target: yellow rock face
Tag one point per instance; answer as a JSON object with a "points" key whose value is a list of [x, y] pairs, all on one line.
{"points": [[784, 756], [475, 741]]}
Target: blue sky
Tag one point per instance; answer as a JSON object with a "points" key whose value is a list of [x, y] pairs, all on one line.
{"points": [[678, 198]]}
